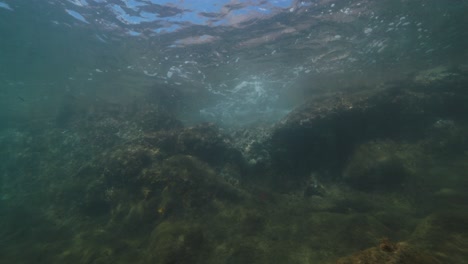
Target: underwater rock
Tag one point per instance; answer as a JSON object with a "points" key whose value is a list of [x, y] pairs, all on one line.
{"points": [[205, 141], [245, 253], [123, 165], [447, 138], [439, 238], [377, 166], [390, 253], [185, 183], [252, 142], [445, 234], [129, 175], [177, 242], [106, 125], [137, 184], [322, 134]]}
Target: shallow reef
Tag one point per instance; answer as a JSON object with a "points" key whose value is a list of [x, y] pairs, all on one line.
{"points": [[369, 176]]}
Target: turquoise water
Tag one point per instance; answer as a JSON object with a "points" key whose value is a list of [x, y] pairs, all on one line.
{"points": [[233, 131]]}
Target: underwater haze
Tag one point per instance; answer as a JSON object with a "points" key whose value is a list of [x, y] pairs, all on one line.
{"points": [[233, 131]]}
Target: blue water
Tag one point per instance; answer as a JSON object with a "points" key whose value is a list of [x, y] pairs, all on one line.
{"points": [[215, 47]]}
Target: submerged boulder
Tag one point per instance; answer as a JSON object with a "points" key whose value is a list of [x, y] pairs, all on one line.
{"points": [[390, 253], [379, 166], [323, 133], [205, 141]]}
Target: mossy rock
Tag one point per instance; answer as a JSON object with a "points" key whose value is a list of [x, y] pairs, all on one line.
{"points": [[390, 253], [378, 166], [207, 142], [177, 242], [123, 165], [445, 234], [153, 118], [245, 253], [185, 183]]}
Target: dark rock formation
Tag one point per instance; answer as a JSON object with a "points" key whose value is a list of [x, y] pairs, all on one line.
{"points": [[322, 134], [390, 253], [378, 166]]}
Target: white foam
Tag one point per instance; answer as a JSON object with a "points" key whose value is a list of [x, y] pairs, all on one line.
{"points": [[5, 6]]}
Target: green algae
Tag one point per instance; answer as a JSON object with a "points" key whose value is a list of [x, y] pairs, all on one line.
{"points": [[165, 194]]}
